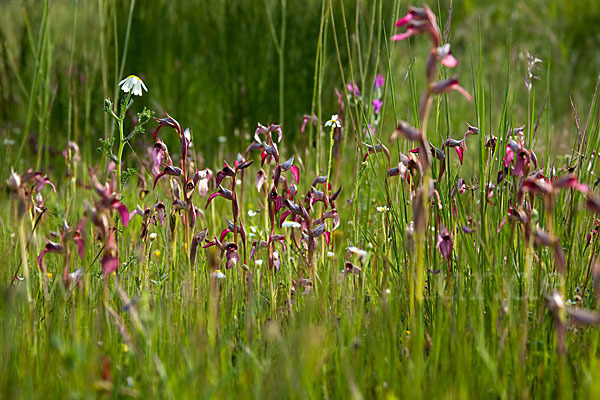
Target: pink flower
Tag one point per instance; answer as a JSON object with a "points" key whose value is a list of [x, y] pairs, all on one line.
{"points": [[445, 243], [457, 145], [445, 56], [379, 81], [449, 85], [377, 103], [353, 88], [417, 21], [370, 131]]}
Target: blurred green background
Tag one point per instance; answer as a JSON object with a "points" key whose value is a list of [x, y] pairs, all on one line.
{"points": [[215, 65]]}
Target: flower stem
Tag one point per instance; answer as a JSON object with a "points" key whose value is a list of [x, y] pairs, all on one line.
{"points": [[121, 121]]}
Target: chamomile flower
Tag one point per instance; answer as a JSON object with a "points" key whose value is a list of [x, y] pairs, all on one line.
{"points": [[134, 84], [218, 274], [334, 122], [291, 224]]}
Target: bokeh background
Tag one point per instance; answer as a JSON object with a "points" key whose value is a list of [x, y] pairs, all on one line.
{"points": [[216, 66]]}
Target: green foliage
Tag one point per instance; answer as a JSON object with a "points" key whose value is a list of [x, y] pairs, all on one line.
{"points": [[162, 328]]}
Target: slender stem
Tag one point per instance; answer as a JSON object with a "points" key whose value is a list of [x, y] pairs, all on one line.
{"points": [[122, 142], [24, 258]]}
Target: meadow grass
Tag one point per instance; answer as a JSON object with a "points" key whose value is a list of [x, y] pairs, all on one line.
{"points": [[377, 307]]}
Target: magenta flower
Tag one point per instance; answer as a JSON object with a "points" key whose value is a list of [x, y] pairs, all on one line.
{"points": [[167, 121], [377, 103], [353, 88], [539, 185], [379, 82], [457, 145], [109, 199], [378, 148], [110, 258], [449, 85], [445, 243], [445, 56], [308, 118], [417, 21], [370, 131], [515, 151], [66, 234]]}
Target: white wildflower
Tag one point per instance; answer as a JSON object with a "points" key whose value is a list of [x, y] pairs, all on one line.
{"points": [[134, 84], [218, 274], [291, 224], [334, 122]]}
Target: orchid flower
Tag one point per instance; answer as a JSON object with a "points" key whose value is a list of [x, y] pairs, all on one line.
{"points": [[418, 21], [445, 243]]}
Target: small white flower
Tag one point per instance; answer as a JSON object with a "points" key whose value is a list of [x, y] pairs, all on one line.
{"points": [[382, 209], [388, 291], [251, 213], [291, 224], [222, 139], [360, 253], [152, 236], [187, 134], [334, 122], [330, 254], [218, 274], [76, 275], [133, 82], [258, 262]]}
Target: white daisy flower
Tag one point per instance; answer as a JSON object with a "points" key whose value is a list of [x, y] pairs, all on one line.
{"points": [[218, 274], [134, 84], [258, 262], [291, 224], [334, 122], [382, 209], [360, 253]]}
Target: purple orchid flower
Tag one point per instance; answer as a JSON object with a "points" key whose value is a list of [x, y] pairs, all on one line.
{"points": [[445, 243], [110, 258], [109, 199], [66, 234], [449, 85], [418, 21], [457, 145]]}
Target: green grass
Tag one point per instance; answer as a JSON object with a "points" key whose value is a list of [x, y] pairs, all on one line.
{"points": [[162, 328]]}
